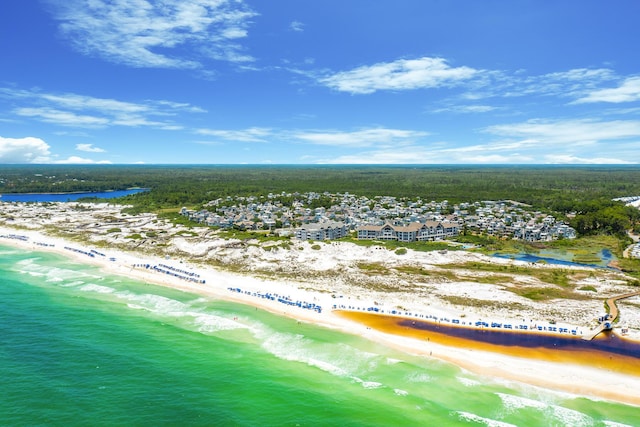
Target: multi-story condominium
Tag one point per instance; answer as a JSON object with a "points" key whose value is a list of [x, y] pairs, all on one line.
{"points": [[329, 230], [430, 230]]}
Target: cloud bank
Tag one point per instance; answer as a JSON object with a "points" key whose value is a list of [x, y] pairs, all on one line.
{"points": [[152, 34], [402, 74]]}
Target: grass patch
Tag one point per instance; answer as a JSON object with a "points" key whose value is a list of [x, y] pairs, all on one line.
{"points": [[592, 244], [186, 233], [262, 236], [589, 258], [175, 218], [315, 247], [473, 302], [413, 270], [373, 267], [401, 251], [630, 266], [558, 277], [546, 293], [393, 245], [588, 288], [491, 279], [285, 245]]}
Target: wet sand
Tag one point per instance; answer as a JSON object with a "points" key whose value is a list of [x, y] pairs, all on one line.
{"points": [[607, 352]]}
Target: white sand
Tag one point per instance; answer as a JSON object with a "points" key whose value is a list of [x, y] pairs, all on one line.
{"points": [[577, 379]]}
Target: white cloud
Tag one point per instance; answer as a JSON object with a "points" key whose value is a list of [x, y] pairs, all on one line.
{"points": [[403, 74], [75, 160], [530, 142], [296, 26], [35, 150], [569, 159], [64, 118], [425, 155], [254, 134], [23, 150], [135, 32], [360, 138], [89, 148], [69, 109], [627, 92], [465, 109], [574, 132], [572, 83]]}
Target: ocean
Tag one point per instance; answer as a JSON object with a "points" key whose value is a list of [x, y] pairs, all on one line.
{"points": [[80, 347]]}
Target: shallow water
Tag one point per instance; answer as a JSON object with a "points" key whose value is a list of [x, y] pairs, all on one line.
{"points": [[80, 347], [559, 258]]}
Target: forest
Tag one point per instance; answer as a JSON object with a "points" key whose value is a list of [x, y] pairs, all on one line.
{"points": [[584, 191]]}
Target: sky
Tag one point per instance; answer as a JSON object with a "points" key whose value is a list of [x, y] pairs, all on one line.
{"points": [[319, 82]]}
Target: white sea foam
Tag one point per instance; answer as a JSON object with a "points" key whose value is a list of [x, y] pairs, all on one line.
{"points": [[419, 377], [513, 403], [294, 347], [467, 416], [570, 417], [27, 261], [201, 320], [74, 283], [92, 287], [468, 382], [208, 323], [326, 366], [615, 424], [370, 384], [34, 273], [337, 359], [9, 252], [400, 392], [63, 273], [155, 303], [563, 415]]}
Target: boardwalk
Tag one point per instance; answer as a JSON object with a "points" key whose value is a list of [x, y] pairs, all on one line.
{"points": [[611, 317]]}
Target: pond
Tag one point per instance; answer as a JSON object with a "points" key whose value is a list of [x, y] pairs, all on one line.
{"points": [[67, 197], [561, 258]]}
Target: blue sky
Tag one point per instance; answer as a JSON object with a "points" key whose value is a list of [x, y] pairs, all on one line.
{"points": [[320, 81]]}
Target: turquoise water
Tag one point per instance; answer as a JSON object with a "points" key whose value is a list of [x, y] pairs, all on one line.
{"points": [[79, 347]]}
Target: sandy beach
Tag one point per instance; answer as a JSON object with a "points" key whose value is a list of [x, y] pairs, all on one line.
{"points": [[310, 299]]}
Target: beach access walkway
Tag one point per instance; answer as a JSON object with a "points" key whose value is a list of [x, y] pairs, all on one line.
{"points": [[607, 321]]}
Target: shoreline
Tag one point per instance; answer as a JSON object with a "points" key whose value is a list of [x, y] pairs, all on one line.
{"points": [[567, 376]]}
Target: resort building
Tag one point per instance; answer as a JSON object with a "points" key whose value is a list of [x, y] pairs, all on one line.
{"points": [[430, 230], [329, 230]]}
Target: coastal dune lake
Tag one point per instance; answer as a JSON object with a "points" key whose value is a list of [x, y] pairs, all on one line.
{"points": [[80, 347], [66, 197]]}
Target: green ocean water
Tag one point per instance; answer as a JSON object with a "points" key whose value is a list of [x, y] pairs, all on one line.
{"points": [[78, 347]]}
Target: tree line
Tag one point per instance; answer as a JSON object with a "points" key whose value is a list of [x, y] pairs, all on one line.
{"points": [[584, 193]]}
